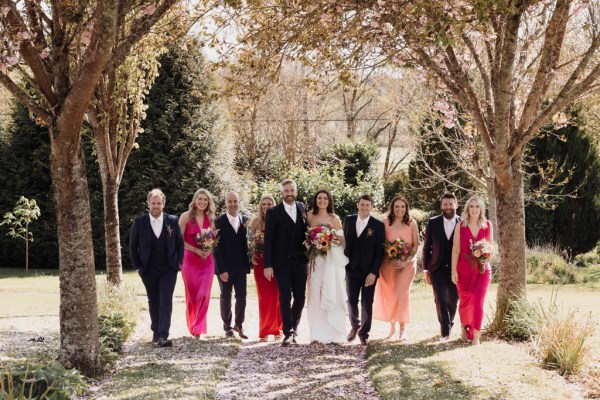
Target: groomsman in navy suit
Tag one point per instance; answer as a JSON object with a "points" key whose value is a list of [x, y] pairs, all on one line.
{"points": [[156, 250], [364, 237], [232, 264], [437, 259], [285, 258]]}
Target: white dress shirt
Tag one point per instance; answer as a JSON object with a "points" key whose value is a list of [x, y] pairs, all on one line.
{"points": [[291, 210], [157, 224], [449, 225], [234, 221], [361, 224]]}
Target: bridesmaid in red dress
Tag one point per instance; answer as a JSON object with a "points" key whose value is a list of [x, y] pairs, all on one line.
{"points": [[466, 274], [198, 266], [268, 293], [392, 292]]}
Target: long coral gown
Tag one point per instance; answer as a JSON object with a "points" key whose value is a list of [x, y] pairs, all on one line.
{"points": [[269, 316], [472, 284], [198, 278], [392, 292]]}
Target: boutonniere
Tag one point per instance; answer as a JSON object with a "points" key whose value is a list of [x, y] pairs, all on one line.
{"points": [[169, 230], [370, 232]]}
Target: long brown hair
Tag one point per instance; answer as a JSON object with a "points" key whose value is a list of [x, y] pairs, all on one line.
{"points": [[315, 209], [407, 218]]}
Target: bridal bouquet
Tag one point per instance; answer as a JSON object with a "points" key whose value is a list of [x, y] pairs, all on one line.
{"points": [[207, 239], [481, 251], [398, 249], [319, 240]]}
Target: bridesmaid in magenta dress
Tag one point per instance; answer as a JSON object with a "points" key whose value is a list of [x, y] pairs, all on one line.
{"points": [[268, 294], [466, 273], [198, 266], [392, 292]]}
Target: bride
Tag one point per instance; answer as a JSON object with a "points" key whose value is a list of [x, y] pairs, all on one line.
{"points": [[326, 308]]}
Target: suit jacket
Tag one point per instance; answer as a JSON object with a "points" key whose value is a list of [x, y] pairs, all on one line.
{"points": [[140, 241], [279, 243], [231, 253], [369, 245], [437, 249]]}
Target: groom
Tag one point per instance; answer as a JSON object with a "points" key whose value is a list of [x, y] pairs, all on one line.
{"points": [[284, 256], [437, 259], [364, 248], [156, 249]]}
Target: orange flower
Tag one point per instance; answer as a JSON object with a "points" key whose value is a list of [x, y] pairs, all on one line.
{"points": [[392, 252]]}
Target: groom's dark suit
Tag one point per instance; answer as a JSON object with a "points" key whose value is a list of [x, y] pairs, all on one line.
{"points": [[365, 253], [157, 260], [231, 256], [284, 251], [437, 259]]}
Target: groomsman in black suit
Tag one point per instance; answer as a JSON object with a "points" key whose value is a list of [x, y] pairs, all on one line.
{"points": [[232, 264], [285, 258], [156, 250], [364, 237], [437, 259]]}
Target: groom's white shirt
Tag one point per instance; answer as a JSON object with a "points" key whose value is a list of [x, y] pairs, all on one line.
{"points": [[361, 224], [292, 210], [156, 224]]}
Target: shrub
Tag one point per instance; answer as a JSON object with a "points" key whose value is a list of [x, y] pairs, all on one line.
{"points": [[522, 321], [561, 342], [544, 265], [591, 258], [40, 381]]}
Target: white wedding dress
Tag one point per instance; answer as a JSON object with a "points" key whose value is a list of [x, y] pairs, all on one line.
{"points": [[326, 305]]}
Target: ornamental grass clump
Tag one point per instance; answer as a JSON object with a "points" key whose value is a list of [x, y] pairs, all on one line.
{"points": [[25, 380], [522, 321], [561, 343], [546, 266]]}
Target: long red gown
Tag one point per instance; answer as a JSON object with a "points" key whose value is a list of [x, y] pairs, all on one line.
{"points": [[198, 278], [472, 284], [269, 315]]}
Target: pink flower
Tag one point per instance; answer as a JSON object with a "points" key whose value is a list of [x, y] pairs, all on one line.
{"points": [[12, 60], [25, 35], [45, 53], [149, 10], [4, 11], [477, 253], [86, 37]]}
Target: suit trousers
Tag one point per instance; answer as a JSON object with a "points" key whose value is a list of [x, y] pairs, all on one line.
{"points": [[446, 298], [160, 285], [236, 281], [355, 287], [291, 280]]}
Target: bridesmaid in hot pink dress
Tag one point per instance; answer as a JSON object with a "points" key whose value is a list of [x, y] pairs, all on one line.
{"points": [[472, 285], [392, 292], [198, 266]]}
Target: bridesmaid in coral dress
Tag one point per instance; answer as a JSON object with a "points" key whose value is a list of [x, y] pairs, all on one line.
{"points": [[471, 283], [198, 266], [392, 293], [268, 293]]}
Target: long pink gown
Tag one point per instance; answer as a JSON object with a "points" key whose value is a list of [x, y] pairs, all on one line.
{"points": [[472, 284], [198, 278], [392, 291]]}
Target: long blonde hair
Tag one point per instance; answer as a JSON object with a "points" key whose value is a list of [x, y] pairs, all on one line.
{"points": [[211, 209], [259, 220], [482, 221]]}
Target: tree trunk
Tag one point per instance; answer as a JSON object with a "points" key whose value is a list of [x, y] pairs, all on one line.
{"points": [[112, 236], [490, 188], [511, 237], [79, 336]]}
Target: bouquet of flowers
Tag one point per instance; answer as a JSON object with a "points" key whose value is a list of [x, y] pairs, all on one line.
{"points": [[319, 240], [257, 242], [398, 249], [481, 251], [207, 239]]}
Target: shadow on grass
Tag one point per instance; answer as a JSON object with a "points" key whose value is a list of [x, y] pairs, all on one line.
{"points": [[408, 371], [190, 369]]}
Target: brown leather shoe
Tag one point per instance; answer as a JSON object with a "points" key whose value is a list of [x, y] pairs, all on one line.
{"points": [[240, 332], [352, 334], [364, 341], [229, 333]]}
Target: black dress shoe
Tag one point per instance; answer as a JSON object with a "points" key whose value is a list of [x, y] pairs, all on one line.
{"points": [[240, 332], [294, 338], [286, 341], [364, 341], [229, 333], [155, 339], [162, 342], [352, 334]]}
